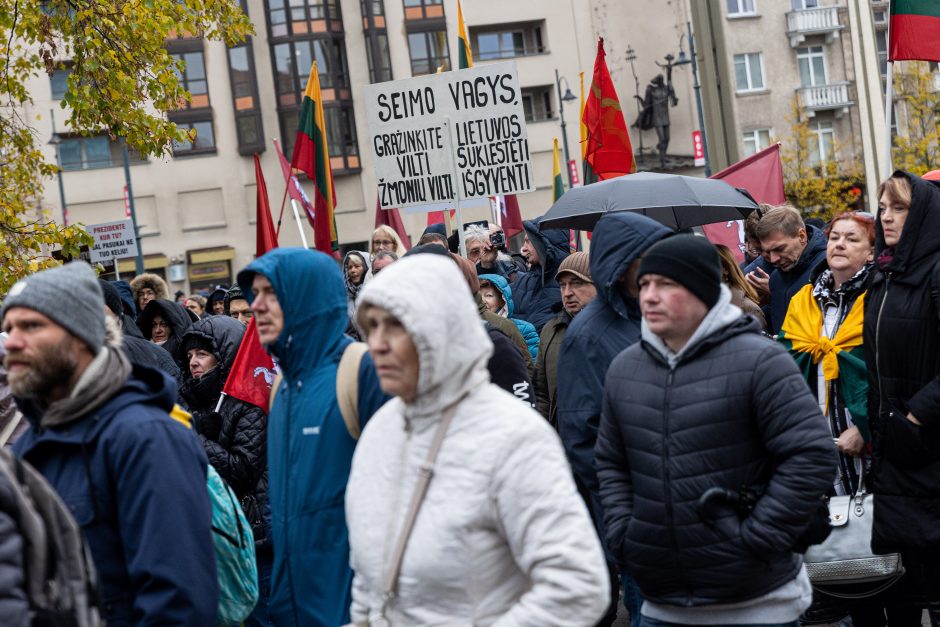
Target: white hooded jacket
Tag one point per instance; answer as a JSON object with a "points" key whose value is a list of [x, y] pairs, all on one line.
{"points": [[502, 537]]}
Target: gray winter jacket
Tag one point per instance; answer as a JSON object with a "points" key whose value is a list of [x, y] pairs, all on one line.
{"points": [[730, 410]]}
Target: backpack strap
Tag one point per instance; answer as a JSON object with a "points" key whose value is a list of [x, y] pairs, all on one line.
{"points": [[347, 386], [274, 387]]}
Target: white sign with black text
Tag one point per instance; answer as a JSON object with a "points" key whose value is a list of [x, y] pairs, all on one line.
{"points": [[113, 240], [451, 136]]}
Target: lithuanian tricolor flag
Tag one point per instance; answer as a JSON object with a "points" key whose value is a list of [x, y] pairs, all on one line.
{"points": [[313, 157], [558, 185], [464, 56], [915, 30]]}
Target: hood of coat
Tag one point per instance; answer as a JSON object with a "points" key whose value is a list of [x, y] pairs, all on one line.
{"points": [[453, 346], [552, 246], [722, 321], [152, 281], [218, 294], [363, 256], [920, 238], [310, 290], [178, 317], [224, 336], [503, 286], [619, 239]]}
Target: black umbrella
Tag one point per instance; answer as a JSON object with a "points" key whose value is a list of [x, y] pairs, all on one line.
{"points": [[678, 202]]}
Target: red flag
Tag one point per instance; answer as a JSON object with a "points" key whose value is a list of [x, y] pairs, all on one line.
{"points": [[609, 151], [511, 217], [914, 31], [294, 190], [253, 371], [761, 175], [392, 218], [266, 237]]}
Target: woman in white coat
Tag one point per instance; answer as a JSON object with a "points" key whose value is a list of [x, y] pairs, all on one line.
{"points": [[501, 537]]}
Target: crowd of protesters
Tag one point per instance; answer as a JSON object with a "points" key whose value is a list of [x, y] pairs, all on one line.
{"points": [[500, 439]]}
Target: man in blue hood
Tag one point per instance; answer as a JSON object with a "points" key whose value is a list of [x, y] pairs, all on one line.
{"points": [[299, 303], [607, 326], [536, 294]]}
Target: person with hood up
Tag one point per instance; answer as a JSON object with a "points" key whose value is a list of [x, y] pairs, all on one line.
{"points": [[794, 249], [501, 536], [902, 341], [355, 274], [497, 295], [699, 411], [299, 304], [215, 302], [147, 287], [102, 435], [537, 298], [235, 436], [236, 305], [164, 323], [607, 326]]}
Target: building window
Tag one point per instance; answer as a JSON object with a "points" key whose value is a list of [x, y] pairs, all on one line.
{"points": [[537, 103], [340, 135], [299, 18], [428, 52], [202, 143], [424, 9], [756, 140], [248, 125], [741, 7], [377, 54], [812, 62], [507, 41], [89, 153], [59, 82], [881, 40], [880, 17], [748, 72], [799, 5], [192, 78], [820, 149]]}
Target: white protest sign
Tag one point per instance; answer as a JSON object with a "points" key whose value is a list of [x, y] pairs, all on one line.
{"points": [[113, 240], [451, 136]]}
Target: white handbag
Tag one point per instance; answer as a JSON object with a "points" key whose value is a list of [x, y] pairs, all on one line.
{"points": [[845, 557]]}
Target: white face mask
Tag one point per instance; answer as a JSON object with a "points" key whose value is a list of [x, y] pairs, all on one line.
{"points": [[159, 343]]}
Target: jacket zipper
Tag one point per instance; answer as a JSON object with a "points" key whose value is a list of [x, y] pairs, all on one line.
{"points": [[666, 481], [881, 309]]}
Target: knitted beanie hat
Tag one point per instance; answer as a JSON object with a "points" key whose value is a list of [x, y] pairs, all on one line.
{"points": [[577, 264], [689, 260]]}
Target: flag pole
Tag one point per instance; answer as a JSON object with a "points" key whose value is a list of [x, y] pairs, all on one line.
{"points": [[889, 113], [219, 404], [300, 226], [458, 215]]}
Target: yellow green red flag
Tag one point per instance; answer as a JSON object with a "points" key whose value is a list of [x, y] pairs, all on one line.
{"points": [[312, 155], [558, 185], [464, 55]]}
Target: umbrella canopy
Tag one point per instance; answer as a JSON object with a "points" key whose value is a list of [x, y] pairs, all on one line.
{"points": [[678, 202]]}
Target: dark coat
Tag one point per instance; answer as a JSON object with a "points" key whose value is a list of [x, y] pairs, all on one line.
{"points": [[536, 293], [546, 366], [902, 338], [733, 412], [785, 285], [609, 324], [507, 370], [145, 353], [311, 581], [178, 317], [238, 451], [135, 480]]}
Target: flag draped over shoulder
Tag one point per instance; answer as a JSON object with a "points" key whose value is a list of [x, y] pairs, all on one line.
{"points": [[312, 155], [266, 237], [464, 55], [608, 149], [915, 30]]}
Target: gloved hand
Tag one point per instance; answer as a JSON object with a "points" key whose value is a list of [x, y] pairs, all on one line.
{"points": [[209, 425]]}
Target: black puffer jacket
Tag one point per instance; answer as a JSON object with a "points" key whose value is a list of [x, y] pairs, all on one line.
{"points": [[239, 450], [733, 412], [902, 338], [178, 317]]}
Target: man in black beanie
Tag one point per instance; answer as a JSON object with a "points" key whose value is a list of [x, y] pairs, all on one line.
{"points": [[698, 415]]}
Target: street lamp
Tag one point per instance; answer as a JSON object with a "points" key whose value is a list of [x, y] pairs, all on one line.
{"points": [[56, 141], [631, 57], [568, 97], [683, 60]]}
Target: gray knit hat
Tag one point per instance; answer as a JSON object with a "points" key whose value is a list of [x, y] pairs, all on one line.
{"points": [[577, 264], [69, 295]]}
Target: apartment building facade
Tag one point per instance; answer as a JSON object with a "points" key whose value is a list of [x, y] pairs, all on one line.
{"points": [[196, 206]]}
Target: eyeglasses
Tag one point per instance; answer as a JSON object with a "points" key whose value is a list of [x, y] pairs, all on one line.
{"points": [[376, 243]]}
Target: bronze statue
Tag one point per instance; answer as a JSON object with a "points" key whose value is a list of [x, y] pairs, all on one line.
{"points": [[655, 113]]}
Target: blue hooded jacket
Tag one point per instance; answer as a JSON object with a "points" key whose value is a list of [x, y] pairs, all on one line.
{"points": [[309, 448], [529, 334], [608, 325], [785, 284], [537, 296], [135, 481]]}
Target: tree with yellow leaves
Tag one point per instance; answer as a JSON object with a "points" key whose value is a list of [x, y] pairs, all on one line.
{"points": [[122, 81], [916, 147], [819, 185]]}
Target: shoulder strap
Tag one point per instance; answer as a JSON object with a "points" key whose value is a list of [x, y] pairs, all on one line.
{"points": [[274, 387], [10, 427], [347, 386]]}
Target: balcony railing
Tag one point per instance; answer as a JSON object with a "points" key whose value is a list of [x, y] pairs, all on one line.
{"points": [[833, 97], [818, 21]]}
